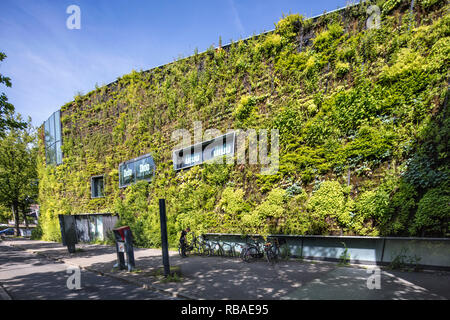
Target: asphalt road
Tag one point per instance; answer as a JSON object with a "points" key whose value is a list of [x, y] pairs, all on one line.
{"points": [[27, 276]]}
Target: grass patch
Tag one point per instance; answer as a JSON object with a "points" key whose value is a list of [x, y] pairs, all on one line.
{"points": [[174, 276]]}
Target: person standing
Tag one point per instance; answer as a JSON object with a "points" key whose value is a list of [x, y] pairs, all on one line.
{"points": [[183, 241]]}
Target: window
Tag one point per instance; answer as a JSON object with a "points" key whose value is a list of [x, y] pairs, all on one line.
{"points": [[52, 132], [97, 186], [204, 151], [137, 169]]}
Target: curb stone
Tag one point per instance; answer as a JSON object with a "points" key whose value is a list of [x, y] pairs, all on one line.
{"points": [[144, 286]]}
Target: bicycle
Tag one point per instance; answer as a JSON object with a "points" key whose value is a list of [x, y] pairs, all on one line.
{"points": [[272, 251], [228, 249], [187, 249], [217, 249], [203, 247], [194, 246], [251, 252]]}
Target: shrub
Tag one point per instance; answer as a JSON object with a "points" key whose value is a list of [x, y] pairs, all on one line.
{"points": [[342, 68], [36, 233], [400, 211], [244, 108], [266, 216], [330, 203], [433, 214]]}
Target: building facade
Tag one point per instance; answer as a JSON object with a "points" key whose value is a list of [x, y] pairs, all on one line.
{"points": [[335, 88]]}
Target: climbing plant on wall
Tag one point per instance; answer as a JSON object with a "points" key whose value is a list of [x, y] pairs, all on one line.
{"points": [[361, 115]]}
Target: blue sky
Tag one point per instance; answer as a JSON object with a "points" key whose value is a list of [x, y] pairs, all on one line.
{"points": [[49, 63]]}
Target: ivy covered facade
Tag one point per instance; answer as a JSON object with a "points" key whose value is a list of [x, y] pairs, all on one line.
{"points": [[363, 127]]}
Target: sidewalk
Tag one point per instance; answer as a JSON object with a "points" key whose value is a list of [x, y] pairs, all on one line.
{"points": [[227, 278]]}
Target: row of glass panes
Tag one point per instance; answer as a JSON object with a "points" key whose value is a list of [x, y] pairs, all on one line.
{"points": [[201, 152], [134, 170], [190, 159], [52, 132]]}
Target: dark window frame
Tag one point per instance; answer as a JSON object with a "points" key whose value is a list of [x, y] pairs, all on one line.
{"points": [[134, 175], [52, 141], [178, 155], [94, 178]]}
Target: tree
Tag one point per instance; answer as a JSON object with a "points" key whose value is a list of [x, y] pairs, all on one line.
{"points": [[5, 214], [18, 172], [6, 108]]}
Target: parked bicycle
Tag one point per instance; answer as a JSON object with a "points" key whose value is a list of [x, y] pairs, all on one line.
{"points": [[203, 247], [198, 245], [272, 250], [217, 249], [251, 251], [229, 249]]}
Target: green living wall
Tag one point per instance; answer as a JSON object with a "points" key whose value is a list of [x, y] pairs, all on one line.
{"points": [[362, 115]]}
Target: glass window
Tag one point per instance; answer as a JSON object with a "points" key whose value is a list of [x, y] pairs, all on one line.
{"points": [[50, 154], [58, 152], [57, 126], [97, 187], [47, 132], [52, 129], [210, 149], [53, 140], [126, 174]]}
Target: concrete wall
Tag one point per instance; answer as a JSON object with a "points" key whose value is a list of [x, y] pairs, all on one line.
{"points": [[425, 252]]}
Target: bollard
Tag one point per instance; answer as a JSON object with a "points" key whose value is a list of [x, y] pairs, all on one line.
{"points": [[68, 232], [164, 244]]}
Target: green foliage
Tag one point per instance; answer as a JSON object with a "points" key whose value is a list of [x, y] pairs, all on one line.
{"points": [[331, 207], [433, 213], [7, 119], [289, 26], [401, 209], [267, 215], [370, 207], [344, 258], [244, 109], [390, 5], [403, 261], [368, 105], [342, 68], [36, 233], [18, 173]]}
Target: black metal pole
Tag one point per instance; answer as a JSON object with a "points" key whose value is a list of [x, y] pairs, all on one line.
{"points": [[164, 244]]}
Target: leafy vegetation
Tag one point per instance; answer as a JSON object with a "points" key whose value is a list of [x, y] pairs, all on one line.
{"points": [[7, 119], [18, 175], [363, 122]]}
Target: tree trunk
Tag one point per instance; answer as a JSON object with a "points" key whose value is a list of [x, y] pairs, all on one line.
{"points": [[15, 208], [24, 212]]}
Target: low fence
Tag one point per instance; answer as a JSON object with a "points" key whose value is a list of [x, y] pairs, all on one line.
{"points": [[424, 252]]}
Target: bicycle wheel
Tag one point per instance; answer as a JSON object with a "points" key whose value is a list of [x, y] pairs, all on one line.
{"points": [[270, 256], [251, 254], [242, 253], [277, 253], [220, 251], [232, 251], [228, 249]]}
